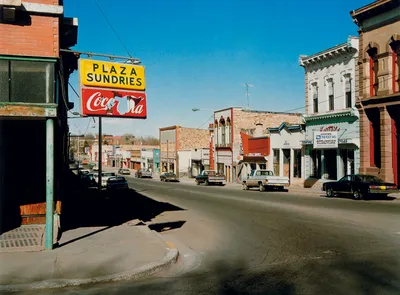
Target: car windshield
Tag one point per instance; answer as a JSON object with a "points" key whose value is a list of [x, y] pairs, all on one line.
{"points": [[209, 172], [108, 174], [117, 179], [370, 178]]}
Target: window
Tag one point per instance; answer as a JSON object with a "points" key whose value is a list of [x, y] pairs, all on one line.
{"points": [[373, 71], [330, 95], [315, 98], [27, 81], [276, 161], [347, 86], [223, 130], [346, 178], [297, 164]]}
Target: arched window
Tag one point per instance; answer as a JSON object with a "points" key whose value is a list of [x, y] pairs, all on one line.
{"points": [[373, 69], [222, 126], [395, 47], [216, 131], [228, 130]]}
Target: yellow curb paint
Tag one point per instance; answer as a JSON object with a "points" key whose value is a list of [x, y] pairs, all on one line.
{"points": [[170, 245]]}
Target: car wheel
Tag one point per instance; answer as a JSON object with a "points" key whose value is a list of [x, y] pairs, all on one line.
{"points": [[261, 187], [245, 187], [207, 183], [358, 195], [329, 192], [197, 182]]}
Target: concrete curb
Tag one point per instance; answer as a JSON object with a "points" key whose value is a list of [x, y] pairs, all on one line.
{"points": [[169, 259]]}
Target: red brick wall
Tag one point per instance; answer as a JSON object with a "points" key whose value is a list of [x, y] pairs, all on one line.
{"points": [[40, 38]]}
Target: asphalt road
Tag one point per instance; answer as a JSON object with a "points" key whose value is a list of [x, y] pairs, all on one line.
{"points": [[248, 242]]}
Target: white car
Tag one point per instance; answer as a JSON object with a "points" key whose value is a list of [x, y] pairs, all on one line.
{"points": [[104, 177]]}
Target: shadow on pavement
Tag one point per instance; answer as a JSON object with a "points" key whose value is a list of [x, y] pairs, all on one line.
{"points": [[367, 198], [91, 208], [166, 226]]}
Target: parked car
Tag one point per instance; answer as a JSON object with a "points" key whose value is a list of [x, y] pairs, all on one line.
{"points": [[359, 186], [84, 171], [117, 183], [124, 171], [169, 176], [265, 178], [104, 177], [95, 168], [142, 173], [210, 177]]}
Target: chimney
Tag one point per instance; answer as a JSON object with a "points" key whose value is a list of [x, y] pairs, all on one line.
{"points": [[259, 130]]}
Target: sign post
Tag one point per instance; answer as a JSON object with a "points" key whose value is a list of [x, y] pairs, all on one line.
{"points": [[100, 163]]}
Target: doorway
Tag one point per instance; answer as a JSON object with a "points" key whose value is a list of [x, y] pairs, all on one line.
{"points": [[286, 162]]}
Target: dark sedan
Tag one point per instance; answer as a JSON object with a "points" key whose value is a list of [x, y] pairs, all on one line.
{"points": [[169, 176], [117, 183], [359, 186]]}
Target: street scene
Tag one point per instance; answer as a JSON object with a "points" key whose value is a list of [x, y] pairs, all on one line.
{"points": [[212, 161]]}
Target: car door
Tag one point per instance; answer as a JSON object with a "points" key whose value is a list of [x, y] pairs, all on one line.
{"points": [[343, 186]]}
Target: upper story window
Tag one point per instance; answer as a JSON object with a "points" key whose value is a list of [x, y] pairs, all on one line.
{"points": [[228, 133], [315, 97], [347, 89], [223, 130], [395, 46], [26, 81], [331, 97], [373, 70]]}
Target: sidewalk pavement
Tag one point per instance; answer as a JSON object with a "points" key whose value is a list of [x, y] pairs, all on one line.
{"points": [[89, 255]]}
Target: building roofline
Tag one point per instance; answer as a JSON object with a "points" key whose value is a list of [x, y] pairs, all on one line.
{"points": [[170, 127], [289, 127], [354, 13]]}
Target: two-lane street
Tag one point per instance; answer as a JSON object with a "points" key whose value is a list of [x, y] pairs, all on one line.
{"points": [[250, 242]]}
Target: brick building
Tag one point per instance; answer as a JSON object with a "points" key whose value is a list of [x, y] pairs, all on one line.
{"points": [[377, 87], [227, 144], [34, 75], [176, 139]]}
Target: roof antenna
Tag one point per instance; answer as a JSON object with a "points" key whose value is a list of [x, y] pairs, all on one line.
{"points": [[248, 94]]}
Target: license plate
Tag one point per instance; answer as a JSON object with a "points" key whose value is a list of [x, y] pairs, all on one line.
{"points": [[383, 187]]}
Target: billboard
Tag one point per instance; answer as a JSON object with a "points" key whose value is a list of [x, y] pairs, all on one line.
{"points": [[95, 73], [112, 103], [325, 140], [110, 89]]}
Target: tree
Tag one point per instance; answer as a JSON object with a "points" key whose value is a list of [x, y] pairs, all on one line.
{"points": [[128, 138]]}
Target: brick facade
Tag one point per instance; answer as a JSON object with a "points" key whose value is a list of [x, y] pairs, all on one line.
{"points": [[40, 38], [378, 88], [245, 121], [193, 138]]}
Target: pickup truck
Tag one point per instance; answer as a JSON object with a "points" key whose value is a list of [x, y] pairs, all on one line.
{"points": [[264, 178], [210, 177]]}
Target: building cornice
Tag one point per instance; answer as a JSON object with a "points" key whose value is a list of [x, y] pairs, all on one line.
{"points": [[328, 54], [353, 112]]}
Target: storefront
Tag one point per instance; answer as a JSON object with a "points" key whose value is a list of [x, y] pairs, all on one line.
{"points": [[332, 145], [286, 155]]}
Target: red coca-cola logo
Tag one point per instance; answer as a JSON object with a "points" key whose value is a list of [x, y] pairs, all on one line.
{"points": [[99, 102]]}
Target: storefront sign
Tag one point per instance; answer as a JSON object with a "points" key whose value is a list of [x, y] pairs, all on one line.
{"points": [[325, 140], [110, 103], [111, 75], [330, 128]]}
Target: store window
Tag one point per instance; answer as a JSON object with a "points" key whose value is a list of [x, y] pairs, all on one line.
{"points": [[276, 161], [27, 81], [297, 164]]}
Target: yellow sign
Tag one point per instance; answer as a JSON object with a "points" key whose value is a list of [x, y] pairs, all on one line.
{"points": [[111, 75]]}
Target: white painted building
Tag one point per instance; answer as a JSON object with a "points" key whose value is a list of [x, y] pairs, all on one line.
{"points": [[330, 108], [193, 161], [147, 158], [286, 156]]}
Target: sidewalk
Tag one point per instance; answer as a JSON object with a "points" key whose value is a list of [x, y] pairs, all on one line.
{"points": [[104, 239], [88, 255]]}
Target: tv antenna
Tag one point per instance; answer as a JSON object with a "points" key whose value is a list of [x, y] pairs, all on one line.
{"points": [[248, 94]]}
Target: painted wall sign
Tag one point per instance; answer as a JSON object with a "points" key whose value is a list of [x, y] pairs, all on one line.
{"points": [[111, 75], [113, 103], [330, 128], [325, 140]]}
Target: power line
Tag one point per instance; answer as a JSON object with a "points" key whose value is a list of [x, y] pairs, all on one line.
{"points": [[72, 87], [206, 121], [112, 28]]}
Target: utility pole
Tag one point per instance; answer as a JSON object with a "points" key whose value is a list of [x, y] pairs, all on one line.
{"points": [[167, 156], [248, 94], [100, 156]]}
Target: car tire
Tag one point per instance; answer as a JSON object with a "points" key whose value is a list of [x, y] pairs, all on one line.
{"points": [[261, 187], [197, 182], [245, 187], [329, 192], [358, 194], [207, 183]]}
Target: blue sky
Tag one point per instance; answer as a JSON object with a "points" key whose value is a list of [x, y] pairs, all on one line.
{"points": [[199, 54]]}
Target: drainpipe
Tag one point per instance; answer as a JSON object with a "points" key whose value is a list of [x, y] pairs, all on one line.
{"points": [[49, 183]]}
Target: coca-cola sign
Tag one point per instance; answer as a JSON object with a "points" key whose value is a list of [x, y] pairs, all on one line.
{"points": [[113, 103]]}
